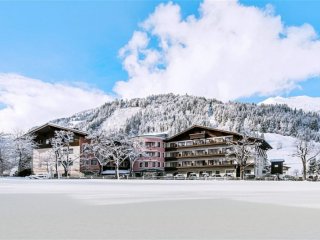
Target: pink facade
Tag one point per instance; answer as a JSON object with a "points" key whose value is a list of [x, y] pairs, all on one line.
{"points": [[152, 161]]}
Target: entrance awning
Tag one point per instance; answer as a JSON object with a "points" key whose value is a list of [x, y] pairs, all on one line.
{"points": [[113, 172]]}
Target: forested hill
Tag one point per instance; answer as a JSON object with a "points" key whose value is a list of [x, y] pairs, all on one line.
{"points": [[173, 113]]}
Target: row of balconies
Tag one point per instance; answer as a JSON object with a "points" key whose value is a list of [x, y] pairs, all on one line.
{"points": [[202, 153], [202, 163], [207, 141]]}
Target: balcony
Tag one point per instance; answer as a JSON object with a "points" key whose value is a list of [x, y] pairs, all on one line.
{"points": [[198, 142], [197, 154], [202, 163], [206, 164]]}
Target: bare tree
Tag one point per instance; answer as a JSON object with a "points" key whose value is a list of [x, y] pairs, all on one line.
{"points": [[114, 148], [296, 172], [305, 151], [136, 154], [242, 150], [61, 144], [48, 159], [96, 148], [22, 149], [57, 146], [5, 156]]}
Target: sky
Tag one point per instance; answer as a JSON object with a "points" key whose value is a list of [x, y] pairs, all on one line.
{"points": [[62, 57]]}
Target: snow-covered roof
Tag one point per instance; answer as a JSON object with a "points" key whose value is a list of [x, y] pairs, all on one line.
{"points": [[163, 135], [276, 160], [59, 127], [264, 143]]}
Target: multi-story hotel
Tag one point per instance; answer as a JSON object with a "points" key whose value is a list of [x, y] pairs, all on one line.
{"points": [[199, 150], [151, 162]]}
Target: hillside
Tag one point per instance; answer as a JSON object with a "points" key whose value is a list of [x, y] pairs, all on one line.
{"points": [[173, 113]]}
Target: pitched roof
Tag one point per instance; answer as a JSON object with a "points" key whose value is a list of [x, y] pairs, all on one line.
{"points": [[264, 143], [207, 128], [59, 127]]}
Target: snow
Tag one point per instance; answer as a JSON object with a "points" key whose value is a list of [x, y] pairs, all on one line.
{"points": [[118, 119], [282, 148], [150, 209], [110, 192], [305, 103]]}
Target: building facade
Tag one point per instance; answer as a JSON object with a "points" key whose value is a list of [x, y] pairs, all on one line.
{"points": [[44, 159], [203, 151], [151, 161]]}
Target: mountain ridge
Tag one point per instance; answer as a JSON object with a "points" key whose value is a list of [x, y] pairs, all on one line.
{"points": [[173, 113]]}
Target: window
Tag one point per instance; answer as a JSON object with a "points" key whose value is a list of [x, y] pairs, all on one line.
{"points": [[153, 164], [158, 144], [217, 172], [158, 154], [158, 164], [94, 162], [146, 164], [65, 150], [141, 164]]}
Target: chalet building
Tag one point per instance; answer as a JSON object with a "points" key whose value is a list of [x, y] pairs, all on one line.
{"points": [[43, 159], [202, 150], [152, 161]]}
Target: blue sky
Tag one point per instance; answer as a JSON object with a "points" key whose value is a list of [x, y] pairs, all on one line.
{"points": [[58, 52], [69, 41]]}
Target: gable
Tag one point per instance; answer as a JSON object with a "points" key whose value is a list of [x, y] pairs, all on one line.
{"points": [[197, 132]]}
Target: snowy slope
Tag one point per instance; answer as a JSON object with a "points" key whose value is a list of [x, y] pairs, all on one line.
{"points": [[305, 103], [118, 119], [283, 148]]}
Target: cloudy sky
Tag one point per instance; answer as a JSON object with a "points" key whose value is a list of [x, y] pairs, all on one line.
{"points": [[62, 57]]}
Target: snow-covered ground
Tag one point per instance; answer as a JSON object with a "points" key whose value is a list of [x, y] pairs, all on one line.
{"points": [[137, 209], [306, 103]]}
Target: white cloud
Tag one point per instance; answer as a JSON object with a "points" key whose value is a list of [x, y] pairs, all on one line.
{"points": [[229, 51], [30, 102]]}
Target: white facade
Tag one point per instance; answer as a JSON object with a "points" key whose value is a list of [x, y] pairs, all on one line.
{"points": [[44, 162]]}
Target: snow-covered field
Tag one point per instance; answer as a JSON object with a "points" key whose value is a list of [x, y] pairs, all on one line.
{"points": [[129, 209]]}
